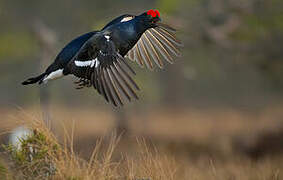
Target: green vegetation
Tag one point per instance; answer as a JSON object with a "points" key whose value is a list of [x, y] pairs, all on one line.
{"points": [[34, 157]]}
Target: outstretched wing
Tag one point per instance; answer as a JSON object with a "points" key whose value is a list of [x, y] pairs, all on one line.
{"points": [[154, 45], [100, 65]]}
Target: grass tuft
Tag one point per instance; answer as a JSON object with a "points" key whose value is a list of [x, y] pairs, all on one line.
{"points": [[42, 156]]}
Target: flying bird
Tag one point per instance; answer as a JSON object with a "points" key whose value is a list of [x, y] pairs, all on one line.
{"points": [[98, 58]]}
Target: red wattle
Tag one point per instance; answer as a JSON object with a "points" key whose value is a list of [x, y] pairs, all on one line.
{"points": [[157, 12], [152, 13]]}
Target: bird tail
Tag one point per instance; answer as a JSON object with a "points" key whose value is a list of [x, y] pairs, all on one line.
{"points": [[35, 79]]}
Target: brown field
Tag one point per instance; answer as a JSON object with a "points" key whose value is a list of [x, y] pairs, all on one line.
{"points": [[162, 144]]}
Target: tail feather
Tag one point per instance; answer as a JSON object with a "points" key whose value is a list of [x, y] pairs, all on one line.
{"points": [[34, 79]]}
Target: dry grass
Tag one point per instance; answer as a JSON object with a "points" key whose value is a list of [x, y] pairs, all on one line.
{"points": [[38, 159], [202, 149]]}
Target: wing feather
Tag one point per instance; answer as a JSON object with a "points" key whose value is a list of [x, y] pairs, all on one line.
{"points": [[144, 55], [160, 48], [128, 67], [166, 43], [166, 27], [105, 83], [123, 81], [152, 51], [113, 87], [154, 45], [102, 86], [126, 75], [119, 84], [170, 36], [137, 56]]}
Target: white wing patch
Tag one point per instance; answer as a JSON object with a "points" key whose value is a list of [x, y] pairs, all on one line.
{"points": [[125, 19], [96, 63], [91, 63], [83, 63], [107, 37]]}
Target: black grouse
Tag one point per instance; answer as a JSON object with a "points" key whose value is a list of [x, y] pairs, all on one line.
{"points": [[98, 58]]}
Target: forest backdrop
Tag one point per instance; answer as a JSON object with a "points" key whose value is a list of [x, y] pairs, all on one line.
{"points": [[232, 56]]}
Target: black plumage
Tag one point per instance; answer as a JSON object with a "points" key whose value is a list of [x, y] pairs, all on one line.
{"points": [[98, 58]]}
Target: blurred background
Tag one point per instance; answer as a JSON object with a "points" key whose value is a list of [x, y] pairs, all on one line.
{"points": [[223, 98]]}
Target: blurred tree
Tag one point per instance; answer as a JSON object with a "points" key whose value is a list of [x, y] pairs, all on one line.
{"points": [[232, 47], [47, 41]]}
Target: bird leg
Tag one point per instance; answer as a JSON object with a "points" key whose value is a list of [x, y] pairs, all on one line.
{"points": [[81, 83]]}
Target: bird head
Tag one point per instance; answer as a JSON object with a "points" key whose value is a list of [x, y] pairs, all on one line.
{"points": [[151, 17]]}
